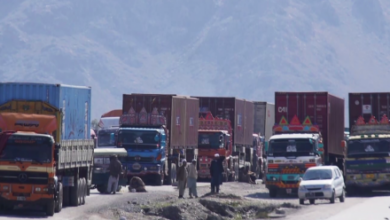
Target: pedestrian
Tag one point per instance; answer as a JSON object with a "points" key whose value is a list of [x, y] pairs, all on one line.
{"points": [[216, 170], [181, 177], [192, 176], [115, 169]]}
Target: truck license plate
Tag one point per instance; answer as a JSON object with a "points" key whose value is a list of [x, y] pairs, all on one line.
{"points": [[288, 191], [20, 198]]}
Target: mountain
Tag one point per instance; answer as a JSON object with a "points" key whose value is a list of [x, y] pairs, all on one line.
{"points": [[247, 49]]}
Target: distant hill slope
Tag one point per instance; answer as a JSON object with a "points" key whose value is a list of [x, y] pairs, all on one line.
{"points": [[246, 49]]}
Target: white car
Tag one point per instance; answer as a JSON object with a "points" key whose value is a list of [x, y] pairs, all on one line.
{"points": [[322, 182]]}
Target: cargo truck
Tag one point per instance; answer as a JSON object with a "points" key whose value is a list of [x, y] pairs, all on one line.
{"points": [[367, 148], [157, 130], [308, 127], [215, 137], [264, 120], [107, 128], [46, 152], [240, 114]]}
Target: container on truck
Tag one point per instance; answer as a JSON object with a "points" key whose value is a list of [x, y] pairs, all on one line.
{"points": [[368, 145], [45, 145], [308, 127], [157, 130], [264, 120], [107, 128], [240, 114]]}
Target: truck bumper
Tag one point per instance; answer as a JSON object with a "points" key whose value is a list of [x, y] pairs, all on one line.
{"points": [[368, 184], [39, 203], [288, 183]]}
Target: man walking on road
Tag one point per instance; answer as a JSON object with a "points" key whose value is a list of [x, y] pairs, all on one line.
{"points": [[192, 176], [115, 169], [181, 177], [216, 170]]}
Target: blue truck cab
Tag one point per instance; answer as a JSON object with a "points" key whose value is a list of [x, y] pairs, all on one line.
{"points": [[146, 147]]}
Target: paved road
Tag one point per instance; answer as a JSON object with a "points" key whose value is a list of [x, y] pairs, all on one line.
{"points": [[93, 202], [368, 207]]}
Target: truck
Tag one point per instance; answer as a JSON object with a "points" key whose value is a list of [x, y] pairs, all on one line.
{"points": [[309, 129], [239, 113], [367, 148], [215, 137], [107, 128], [264, 120], [158, 130], [46, 151]]}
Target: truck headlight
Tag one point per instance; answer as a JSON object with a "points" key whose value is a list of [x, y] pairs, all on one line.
{"points": [[37, 189], [5, 188], [145, 168]]}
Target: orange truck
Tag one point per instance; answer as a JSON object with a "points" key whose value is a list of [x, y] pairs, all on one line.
{"points": [[215, 137], [45, 163]]}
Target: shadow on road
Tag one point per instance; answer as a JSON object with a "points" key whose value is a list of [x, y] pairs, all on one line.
{"points": [[265, 195]]}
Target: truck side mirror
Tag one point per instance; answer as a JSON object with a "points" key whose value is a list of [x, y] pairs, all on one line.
{"points": [[343, 144]]}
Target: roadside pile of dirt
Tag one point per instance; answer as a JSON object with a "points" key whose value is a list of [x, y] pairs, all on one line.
{"points": [[215, 207]]}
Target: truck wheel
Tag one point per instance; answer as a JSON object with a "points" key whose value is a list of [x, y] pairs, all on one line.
{"points": [[83, 190], [79, 192], [273, 193], [59, 200], [74, 194], [50, 208], [65, 198]]}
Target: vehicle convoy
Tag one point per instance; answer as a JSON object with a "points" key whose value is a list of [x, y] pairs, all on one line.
{"points": [[230, 113], [322, 182], [46, 151], [100, 168], [296, 146], [215, 137], [367, 149], [157, 130], [107, 128], [264, 120]]}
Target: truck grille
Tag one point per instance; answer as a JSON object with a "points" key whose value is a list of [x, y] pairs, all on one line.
{"points": [[140, 159], [24, 177]]}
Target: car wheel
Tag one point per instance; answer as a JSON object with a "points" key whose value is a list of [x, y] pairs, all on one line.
{"points": [[332, 199], [301, 201], [312, 201], [342, 197]]}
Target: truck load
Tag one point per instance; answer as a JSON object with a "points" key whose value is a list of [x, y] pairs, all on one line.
{"points": [[240, 114], [107, 128], [45, 145], [308, 127], [368, 145], [156, 131], [264, 120]]}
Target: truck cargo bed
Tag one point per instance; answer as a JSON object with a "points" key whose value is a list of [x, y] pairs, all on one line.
{"points": [[75, 153]]}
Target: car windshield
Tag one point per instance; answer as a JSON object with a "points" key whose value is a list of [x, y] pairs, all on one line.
{"points": [[27, 149], [322, 174], [291, 147], [139, 139], [209, 140], [368, 148]]}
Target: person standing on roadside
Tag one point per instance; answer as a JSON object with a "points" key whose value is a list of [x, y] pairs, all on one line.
{"points": [[192, 176], [181, 177], [216, 170], [115, 169]]}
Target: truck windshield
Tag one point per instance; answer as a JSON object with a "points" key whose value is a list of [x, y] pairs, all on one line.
{"points": [[41, 153], [369, 148], [291, 147], [104, 139], [209, 140], [139, 139]]}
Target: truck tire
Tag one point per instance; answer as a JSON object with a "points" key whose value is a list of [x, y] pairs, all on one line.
{"points": [[79, 192], [50, 208], [59, 200], [74, 194], [83, 190], [273, 193], [65, 198]]}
